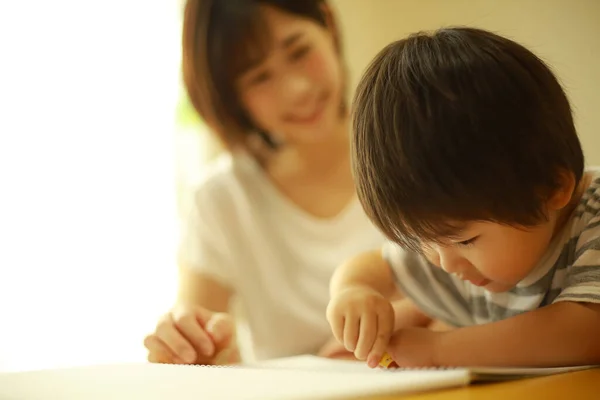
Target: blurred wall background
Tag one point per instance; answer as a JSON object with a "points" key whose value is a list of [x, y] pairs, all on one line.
{"points": [[565, 33]]}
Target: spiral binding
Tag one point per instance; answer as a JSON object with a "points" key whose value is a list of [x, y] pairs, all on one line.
{"points": [[383, 370], [408, 369], [204, 365]]}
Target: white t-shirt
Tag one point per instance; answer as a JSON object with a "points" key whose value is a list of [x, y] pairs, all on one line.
{"points": [[277, 258]]}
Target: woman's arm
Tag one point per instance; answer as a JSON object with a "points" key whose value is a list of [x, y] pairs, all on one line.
{"points": [[198, 289]]}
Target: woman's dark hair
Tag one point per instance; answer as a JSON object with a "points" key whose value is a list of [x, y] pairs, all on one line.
{"points": [[222, 39]]}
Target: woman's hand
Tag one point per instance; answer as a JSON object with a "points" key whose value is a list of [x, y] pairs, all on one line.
{"points": [[193, 335]]}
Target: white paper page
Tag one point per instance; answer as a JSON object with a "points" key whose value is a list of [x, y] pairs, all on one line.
{"points": [[499, 374], [313, 363], [157, 382]]}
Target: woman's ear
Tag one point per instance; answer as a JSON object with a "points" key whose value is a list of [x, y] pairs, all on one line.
{"points": [[562, 195]]}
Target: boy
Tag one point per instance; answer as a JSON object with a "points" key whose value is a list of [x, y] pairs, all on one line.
{"points": [[466, 156]]}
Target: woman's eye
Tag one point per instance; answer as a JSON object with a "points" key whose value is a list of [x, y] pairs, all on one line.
{"points": [[299, 53], [259, 78]]}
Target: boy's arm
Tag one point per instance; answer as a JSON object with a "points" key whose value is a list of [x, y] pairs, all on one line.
{"points": [[407, 314], [561, 334], [366, 270], [371, 270]]}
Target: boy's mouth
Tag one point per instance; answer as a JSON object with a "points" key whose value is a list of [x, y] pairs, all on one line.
{"points": [[480, 282]]}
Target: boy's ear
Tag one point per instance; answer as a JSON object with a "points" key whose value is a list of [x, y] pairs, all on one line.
{"points": [[562, 196]]}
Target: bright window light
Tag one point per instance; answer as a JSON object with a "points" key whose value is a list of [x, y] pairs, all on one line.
{"points": [[88, 226]]}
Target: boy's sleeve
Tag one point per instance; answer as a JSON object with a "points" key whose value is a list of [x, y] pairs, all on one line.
{"points": [[582, 282], [436, 293]]}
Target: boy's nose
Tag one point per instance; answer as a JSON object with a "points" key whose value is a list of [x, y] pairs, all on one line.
{"points": [[449, 267], [446, 259], [451, 264]]}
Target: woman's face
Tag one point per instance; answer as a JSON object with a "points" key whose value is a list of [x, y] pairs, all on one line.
{"points": [[295, 92]]}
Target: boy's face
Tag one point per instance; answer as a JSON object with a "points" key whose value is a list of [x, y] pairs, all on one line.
{"points": [[493, 256]]}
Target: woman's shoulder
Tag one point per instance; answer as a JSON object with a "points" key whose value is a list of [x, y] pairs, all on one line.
{"points": [[224, 179]]}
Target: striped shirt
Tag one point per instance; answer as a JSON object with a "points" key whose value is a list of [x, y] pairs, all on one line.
{"points": [[568, 271]]}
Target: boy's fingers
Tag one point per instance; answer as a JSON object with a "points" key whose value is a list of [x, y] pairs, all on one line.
{"points": [[367, 335], [336, 322], [351, 327], [384, 331]]}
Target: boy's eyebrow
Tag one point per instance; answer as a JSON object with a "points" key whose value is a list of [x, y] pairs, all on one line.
{"points": [[458, 233]]}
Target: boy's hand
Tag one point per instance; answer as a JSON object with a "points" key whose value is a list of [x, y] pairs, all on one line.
{"points": [[335, 350], [193, 335], [414, 347], [362, 319]]}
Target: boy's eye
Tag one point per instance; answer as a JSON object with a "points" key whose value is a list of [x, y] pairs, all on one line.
{"points": [[299, 53], [467, 242]]}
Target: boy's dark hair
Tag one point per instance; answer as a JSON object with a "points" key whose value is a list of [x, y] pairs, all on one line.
{"points": [[221, 39], [455, 126]]}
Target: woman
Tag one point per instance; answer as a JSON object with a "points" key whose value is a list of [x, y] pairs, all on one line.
{"points": [[277, 213]]}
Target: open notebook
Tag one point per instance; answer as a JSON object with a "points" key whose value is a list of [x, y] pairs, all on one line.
{"points": [[295, 378]]}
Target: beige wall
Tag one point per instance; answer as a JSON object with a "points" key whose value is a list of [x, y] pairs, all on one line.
{"points": [[566, 33]]}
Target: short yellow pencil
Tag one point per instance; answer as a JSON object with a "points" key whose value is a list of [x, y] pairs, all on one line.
{"points": [[386, 360]]}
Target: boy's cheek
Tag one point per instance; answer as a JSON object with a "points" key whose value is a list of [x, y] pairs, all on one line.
{"points": [[431, 255]]}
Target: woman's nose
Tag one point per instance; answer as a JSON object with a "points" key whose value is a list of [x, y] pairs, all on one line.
{"points": [[297, 89]]}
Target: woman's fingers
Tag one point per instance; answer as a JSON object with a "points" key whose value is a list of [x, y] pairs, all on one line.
{"points": [[176, 342], [158, 352], [189, 327]]}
